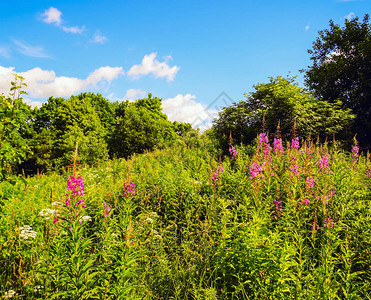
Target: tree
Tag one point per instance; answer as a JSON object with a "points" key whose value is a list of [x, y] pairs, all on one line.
{"points": [[341, 69], [140, 126], [281, 101], [14, 115]]}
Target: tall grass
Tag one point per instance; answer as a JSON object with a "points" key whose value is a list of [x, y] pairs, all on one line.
{"points": [[283, 223]]}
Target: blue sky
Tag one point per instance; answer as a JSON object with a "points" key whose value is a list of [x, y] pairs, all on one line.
{"points": [[186, 52]]}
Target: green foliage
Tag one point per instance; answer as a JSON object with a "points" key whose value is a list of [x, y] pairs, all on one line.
{"points": [[14, 115], [341, 69], [140, 126], [86, 119], [186, 235], [281, 102]]}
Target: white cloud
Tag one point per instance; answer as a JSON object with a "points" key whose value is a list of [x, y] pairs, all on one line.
{"points": [[132, 94], [307, 27], [350, 16], [74, 29], [28, 50], [52, 15], [43, 83], [184, 108], [4, 52], [151, 65], [99, 38], [33, 103]]}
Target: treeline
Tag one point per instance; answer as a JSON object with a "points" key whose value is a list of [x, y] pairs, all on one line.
{"points": [[336, 103], [45, 138]]}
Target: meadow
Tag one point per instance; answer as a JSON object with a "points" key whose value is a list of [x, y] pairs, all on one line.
{"points": [[269, 221]]}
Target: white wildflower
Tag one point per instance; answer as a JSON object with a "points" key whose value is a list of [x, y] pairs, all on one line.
{"points": [[26, 232], [148, 220], [37, 288], [46, 213], [154, 214], [85, 218], [56, 203], [10, 294]]}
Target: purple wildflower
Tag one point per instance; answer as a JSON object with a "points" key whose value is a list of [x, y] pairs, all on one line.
{"points": [[324, 163], [295, 143], [277, 146], [256, 171], [215, 176], [309, 183], [129, 189], [328, 223], [106, 211]]}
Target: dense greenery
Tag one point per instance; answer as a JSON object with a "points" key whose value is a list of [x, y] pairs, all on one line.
{"points": [[281, 102], [101, 129], [150, 209], [14, 115], [342, 70], [178, 223]]}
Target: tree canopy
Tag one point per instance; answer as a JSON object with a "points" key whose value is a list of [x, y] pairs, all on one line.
{"points": [[281, 101], [341, 70]]}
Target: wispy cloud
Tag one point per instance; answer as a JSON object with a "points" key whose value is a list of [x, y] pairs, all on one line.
{"points": [[307, 27], [74, 29], [150, 65], [4, 52], [28, 50], [54, 16], [99, 38]]}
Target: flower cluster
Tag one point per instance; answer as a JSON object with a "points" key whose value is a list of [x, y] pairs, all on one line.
{"points": [[309, 183], [305, 201], [278, 207], [355, 154], [277, 146], [233, 151], [328, 223], [106, 211], [129, 189], [215, 176], [76, 186], [26, 232], [256, 171], [368, 172], [47, 212], [295, 170], [9, 294], [264, 143], [295, 143], [324, 163]]}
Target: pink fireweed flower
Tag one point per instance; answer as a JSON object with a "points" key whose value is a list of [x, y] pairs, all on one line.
{"points": [[295, 143], [295, 170], [324, 163], [256, 171], [106, 211], [215, 176], [233, 152], [129, 189], [309, 183], [277, 146], [264, 143], [278, 207], [328, 223], [355, 154], [305, 201], [368, 172], [76, 186]]}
